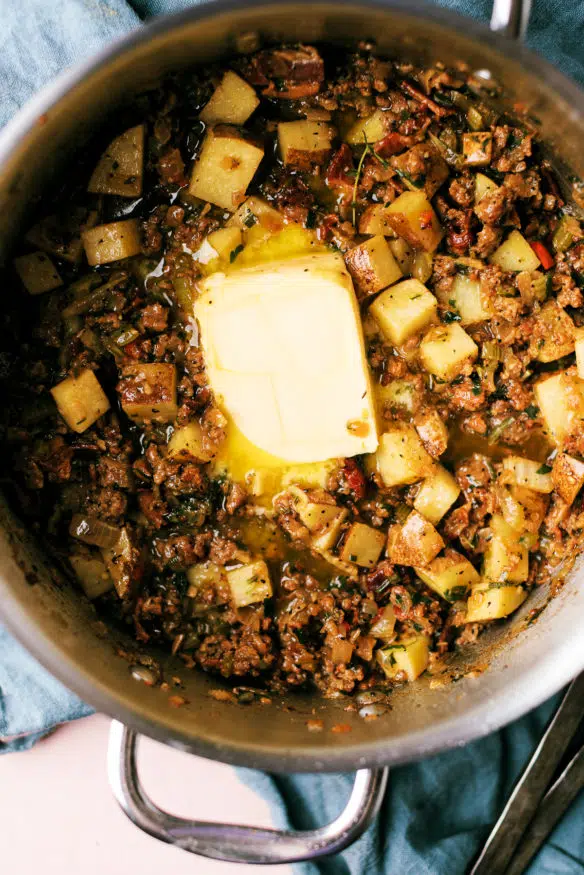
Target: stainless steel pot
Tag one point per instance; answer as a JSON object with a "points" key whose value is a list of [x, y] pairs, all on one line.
{"points": [[523, 665]]}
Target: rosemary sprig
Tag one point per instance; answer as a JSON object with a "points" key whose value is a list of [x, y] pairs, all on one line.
{"points": [[368, 150]]}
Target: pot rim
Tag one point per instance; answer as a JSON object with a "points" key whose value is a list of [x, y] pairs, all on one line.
{"points": [[538, 682]]}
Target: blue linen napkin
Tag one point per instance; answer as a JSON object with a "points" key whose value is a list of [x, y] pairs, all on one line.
{"points": [[436, 812]]}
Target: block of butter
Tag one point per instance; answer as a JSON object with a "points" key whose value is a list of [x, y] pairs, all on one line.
{"points": [[285, 357]]}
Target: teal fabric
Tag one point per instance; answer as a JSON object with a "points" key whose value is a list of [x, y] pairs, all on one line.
{"points": [[436, 812]]}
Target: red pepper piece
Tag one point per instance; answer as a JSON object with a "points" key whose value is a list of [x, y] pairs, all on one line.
{"points": [[542, 253]]}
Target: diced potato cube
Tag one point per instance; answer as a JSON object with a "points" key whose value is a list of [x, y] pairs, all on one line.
{"points": [[232, 102], [397, 395], [505, 559], [415, 543], [37, 272], [525, 472], [304, 143], [403, 254], [373, 221], [437, 494], [560, 399], [372, 265], [465, 298], [368, 130], [401, 457], [315, 515], [433, 431], [412, 217], [362, 545], [256, 211], [553, 334], [446, 349], [409, 657], [219, 244], [226, 165], [91, 573], [112, 242], [384, 624], [450, 576], [80, 400], [493, 602], [421, 168], [249, 583], [422, 266], [578, 349], [403, 310], [148, 392], [483, 186], [477, 148], [568, 476], [120, 168], [187, 442], [61, 235], [121, 562], [515, 253], [204, 574]]}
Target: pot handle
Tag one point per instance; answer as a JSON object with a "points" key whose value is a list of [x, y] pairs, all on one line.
{"points": [[511, 17], [232, 842]]}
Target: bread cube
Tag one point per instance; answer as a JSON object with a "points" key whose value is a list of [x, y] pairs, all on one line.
{"points": [[38, 273], [225, 167], [187, 442], [119, 170], [421, 168], [304, 143], [554, 334], [232, 102], [401, 458], [219, 244], [493, 603], [249, 583], [373, 221], [112, 242], [92, 574], [465, 299], [254, 212], [432, 430], [80, 400], [446, 349], [515, 253], [384, 624], [477, 148], [403, 310], [450, 576], [362, 545], [414, 543], [372, 265], [204, 574], [518, 471], [483, 186], [148, 392], [437, 494], [368, 130], [407, 658], [567, 476], [121, 561], [560, 399], [411, 216]]}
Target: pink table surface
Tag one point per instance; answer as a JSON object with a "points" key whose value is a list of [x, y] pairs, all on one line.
{"points": [[58, 817]]}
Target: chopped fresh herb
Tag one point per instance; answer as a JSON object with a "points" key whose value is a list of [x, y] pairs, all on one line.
{"points": [[404, 115], [451, 316], [311, 219], [279, 84], [455, 593], [249, 219], [532, 411], [417, 183], [497, 432], [234, 253], [476, 383], [543, 469]]}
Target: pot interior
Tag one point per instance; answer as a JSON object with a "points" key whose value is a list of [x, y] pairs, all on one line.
{"points": [[517, 665]]}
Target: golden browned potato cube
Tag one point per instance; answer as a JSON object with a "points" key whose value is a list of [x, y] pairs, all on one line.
{"points": [[304, 143], [204, 574], [450, 576], [232, 102], [493, 602], [515, 253], [421, 168], [373, 221], [433, 431], [120, 168], [92, 574], [37, 272], [112, 242], [368, 130], [560, 399], [406, 659], [477, 148], [372, 265], [249, 583], [465, 299], [412, 217], [483, 186], [415, 543], [403, 254], [256, 211], [506, 558], [121, 561], [384, 624], [362, 545], [401, 457], [397, 395], [148, 392], [437, 494], [80, 400], [226, 165], [553, 334], [568, 476], [403, 310], [219, 245], [446, 349], [188, 442], [518, 471], [315, 515], [422, 266]]}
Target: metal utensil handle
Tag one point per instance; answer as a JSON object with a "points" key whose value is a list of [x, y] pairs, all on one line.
{"points": [[511, 17], [232, 842]]}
